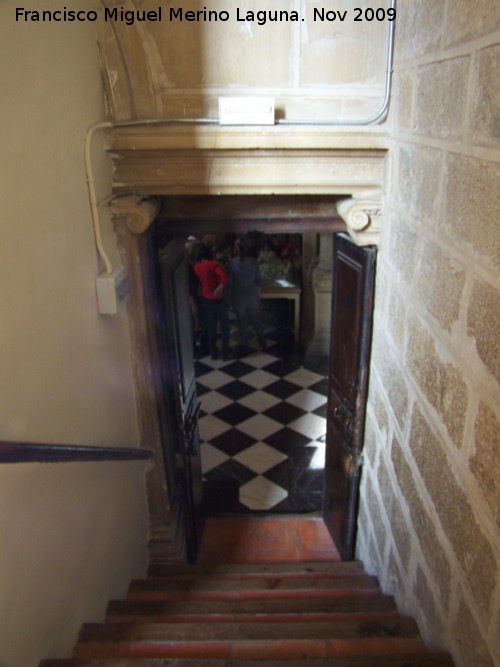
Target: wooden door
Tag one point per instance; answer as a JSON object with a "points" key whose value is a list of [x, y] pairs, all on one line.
{"points": [[180, 381], [351, 326]]}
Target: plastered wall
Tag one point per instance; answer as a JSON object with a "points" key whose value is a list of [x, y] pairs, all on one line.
{"points": [[70, 535], [430, 505]]}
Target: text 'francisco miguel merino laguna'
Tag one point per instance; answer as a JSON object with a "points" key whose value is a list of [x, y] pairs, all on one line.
{"points": [[129, 17]]}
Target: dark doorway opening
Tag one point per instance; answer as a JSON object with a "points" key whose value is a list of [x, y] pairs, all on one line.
{"points": [[182, 216]]}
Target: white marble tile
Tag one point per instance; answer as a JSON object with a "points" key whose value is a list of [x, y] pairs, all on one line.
{"points": [[259, 359], [260, 457], [303, 377], [309, 425], [259, 427], [215, 379], [213, 401], [216, 363], [307, 400], [211, 457], [261, 494], [259, 379], [210, 427], [259, 401], [317, 461]]}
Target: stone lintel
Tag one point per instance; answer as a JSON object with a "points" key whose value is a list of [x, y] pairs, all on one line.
{"points": [[164, 160]]}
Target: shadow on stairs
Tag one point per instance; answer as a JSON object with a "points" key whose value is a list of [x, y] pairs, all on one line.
{"points": [[318, 613]]}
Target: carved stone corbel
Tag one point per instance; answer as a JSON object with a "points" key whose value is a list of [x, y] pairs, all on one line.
{"points": [[363, 219], [135, 211]]}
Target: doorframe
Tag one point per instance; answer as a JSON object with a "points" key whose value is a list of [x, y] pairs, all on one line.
{"points": [[133, 217]]}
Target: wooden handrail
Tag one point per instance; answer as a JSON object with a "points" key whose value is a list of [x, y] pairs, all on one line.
{"points": [[26, 452]]}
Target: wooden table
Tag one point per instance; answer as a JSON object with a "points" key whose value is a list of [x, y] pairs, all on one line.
{"points": [[292, 292]]}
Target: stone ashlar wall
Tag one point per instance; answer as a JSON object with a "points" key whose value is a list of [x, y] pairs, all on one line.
{"points": [[430, 501]]}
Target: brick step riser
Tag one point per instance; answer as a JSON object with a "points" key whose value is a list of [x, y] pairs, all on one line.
{"points": [[360, 603], [175, 596], [393, 660], [254, 650], [251, 569], [300, 617], [351, 582], [338, 629]]}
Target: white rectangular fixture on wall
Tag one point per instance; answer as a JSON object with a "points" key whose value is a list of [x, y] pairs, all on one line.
{"points": [[246, 111], [112, 291]]}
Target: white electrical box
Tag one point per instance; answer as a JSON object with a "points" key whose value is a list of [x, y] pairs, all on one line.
{"points": [[246, 111], [112, 291]]}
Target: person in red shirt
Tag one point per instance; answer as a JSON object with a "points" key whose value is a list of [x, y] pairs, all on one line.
{"points": [[213, 279]]}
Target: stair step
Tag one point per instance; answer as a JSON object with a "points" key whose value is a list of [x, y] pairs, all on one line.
{"points": [[212, 587], [227, 569], [401, 660], [257, 640], [175, 610]]}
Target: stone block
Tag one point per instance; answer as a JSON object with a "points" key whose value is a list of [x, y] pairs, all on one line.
{"points": [[440, 281], [472, 205], [402, 249], [419, 28], [377, 522], [404, 99], [385, 486], [441, 383], [391, 378], [439, 103], [419, 180], [485, 463], [379, 410], [433, 552], [428, 608], [472, 549], [370, 448], [483, 324], [398, 583], [471, 644], [467, 20], [485, 117], [396, 316], [401, 535]]}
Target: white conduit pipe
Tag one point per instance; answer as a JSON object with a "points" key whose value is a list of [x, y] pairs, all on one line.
{"points": [[205, 121]]}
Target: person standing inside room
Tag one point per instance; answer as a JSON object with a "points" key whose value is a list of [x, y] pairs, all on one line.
{"points": [[213, 280], [245, 292]]}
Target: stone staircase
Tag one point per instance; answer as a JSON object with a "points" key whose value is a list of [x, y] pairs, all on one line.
{"points": [[291, 614]]}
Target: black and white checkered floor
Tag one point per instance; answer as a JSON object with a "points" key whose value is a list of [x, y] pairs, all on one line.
{"points": [[262, 430]]}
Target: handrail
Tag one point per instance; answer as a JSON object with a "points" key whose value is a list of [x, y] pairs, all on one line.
{"points": [[26, 452]]}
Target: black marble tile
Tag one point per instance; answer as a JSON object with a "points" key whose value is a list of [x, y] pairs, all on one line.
{"points": [[320, 387], [286, 440], [321, 411], [282, 389], [201, 389], [237, 369], [230, 470], [236, 390], [233, 442], [284, 413], [234, 414], [201, 368], [282, 367]]}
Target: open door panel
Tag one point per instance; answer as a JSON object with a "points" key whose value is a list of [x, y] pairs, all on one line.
{"points": [[351, 328]]}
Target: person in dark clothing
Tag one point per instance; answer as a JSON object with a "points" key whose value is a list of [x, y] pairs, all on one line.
{"points": [[245, 292], [213, 279]]}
